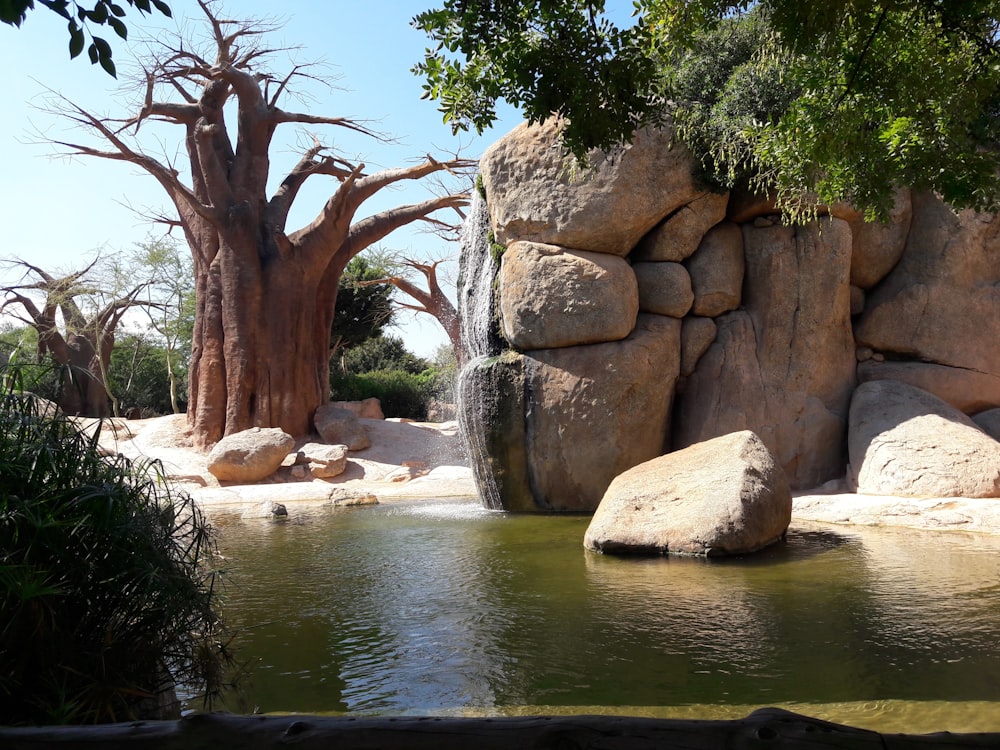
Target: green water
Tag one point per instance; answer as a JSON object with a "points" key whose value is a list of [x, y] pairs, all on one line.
{"points": [[444, 608]]}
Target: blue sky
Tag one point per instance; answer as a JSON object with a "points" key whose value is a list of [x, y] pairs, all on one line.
{"points": [[57, 212]]}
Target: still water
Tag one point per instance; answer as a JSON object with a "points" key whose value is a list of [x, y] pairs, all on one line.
{"points": [[445, 608]]}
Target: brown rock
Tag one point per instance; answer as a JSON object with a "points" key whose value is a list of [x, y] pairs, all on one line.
{"points": [[726, 496], [906, 442], [877, 247], [966, 390], [717, 270], [341, 427], [250, 455], [697, 334], [939, 304], [678, 236], [536, 191], [785, 366], [369, 408], [664, 288], [550, 297], [989, 422], [596, 411], [324, 460]]}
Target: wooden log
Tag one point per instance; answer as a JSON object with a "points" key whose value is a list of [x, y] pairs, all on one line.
{"points": [[768, 728]]}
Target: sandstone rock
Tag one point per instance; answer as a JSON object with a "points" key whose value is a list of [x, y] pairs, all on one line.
{"points": [[697, 334], [341, 427], [989, 422], [785, 366], [596, 411], [250, 455], [537, 191], [939, 304], [678, 236], [966, 390], [369, 408], [744, 206], [550, 297], [726, 496], [664, 288], [906, 442], [877, 247], [717, 270], [857, 300], [325, 461]]}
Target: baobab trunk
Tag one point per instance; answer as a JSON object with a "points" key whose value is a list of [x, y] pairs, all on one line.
{"points": [[262, 348], [83, 393]]}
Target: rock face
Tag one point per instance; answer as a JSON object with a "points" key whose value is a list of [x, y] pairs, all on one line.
{"points": [[908, 443], [324, 461], [773, 326], [538, 192], [785, 366], [552, 297], [250, 455], [588, 421], [726, 496]]}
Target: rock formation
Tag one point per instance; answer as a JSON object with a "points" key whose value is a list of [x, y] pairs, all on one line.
{"points": [[628, 311], [725, 496]]}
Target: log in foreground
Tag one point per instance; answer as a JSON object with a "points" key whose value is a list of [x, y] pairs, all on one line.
{"points": [[771, 728]]}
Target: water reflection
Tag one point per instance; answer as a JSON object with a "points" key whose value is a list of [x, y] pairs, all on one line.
{"points": [[446, 607]]}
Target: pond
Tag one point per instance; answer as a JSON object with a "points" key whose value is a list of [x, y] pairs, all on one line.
{"points": [[442, 607]]}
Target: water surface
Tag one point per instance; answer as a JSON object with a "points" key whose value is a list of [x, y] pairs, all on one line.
{"points": [[445, 608]]}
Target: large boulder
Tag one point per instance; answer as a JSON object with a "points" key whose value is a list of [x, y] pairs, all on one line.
{"points": [[967, 390], [726, 496], [250, 455], [906, 442], [596, 411], [324, 461], [551, 297], [878, 246], [677, 236], [664, 288], [341, 427], [537, 191], [939, 304], [369, 408], [717, 270], [785, 365]]}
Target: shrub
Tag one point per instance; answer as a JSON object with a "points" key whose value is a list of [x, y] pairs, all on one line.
{"points": [[105, 602], [402, 394]]}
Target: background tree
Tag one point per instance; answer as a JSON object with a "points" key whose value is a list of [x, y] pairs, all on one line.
{"points": [[883, 93], [364, 308], [170, 305], [82, 347], [432, 301], [265, 295]]}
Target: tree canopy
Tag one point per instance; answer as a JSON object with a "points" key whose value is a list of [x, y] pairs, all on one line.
{"points": [[80, 18], [840, 100]]}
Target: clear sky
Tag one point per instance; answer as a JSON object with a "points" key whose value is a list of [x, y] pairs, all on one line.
{"points": [[58, 212]]}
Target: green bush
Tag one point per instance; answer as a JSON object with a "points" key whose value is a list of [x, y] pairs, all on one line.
{"points": [[106, 605], [402, 394]]}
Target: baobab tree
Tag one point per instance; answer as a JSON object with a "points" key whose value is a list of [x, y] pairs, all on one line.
{"points": [[82, 348], [265, 295]]}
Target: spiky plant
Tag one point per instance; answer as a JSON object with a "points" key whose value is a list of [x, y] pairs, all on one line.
{"points": [[107, 604]]}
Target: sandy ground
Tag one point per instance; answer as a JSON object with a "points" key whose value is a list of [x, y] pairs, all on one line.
{"points": [[418, 460], [407, 460]]}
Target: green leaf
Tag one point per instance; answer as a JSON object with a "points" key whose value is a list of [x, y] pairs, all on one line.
{"points": [[119, 27]]}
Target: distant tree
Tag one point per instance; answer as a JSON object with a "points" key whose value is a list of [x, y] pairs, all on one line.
{"points": [[432, 301], [76, 322], [265, 295], [363, 308], [170, 305], [881, 93], [139, 376], [103, 12], [383, 353]]}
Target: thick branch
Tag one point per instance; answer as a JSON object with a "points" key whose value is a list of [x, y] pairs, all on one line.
{"points": [[369, 231]]}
